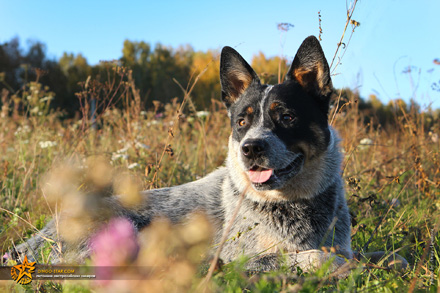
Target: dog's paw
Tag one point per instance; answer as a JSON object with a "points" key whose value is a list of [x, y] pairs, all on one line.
{"points": [[28, 248], [382, 259], [40, 247]]}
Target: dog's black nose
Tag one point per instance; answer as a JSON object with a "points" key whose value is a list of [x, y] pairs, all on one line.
{"points": [[252, 148]]}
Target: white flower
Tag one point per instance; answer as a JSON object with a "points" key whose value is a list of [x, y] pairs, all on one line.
{"points": [[124, 149], [365, 143], [17, 132], [140, 145], [47, 98], [132, 166], [434, 136], [24, 129], [47, 144], [116, 156], [202, 114], [154, 122]]}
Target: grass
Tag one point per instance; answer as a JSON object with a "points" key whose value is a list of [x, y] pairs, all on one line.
{"points": [[392, 176]]}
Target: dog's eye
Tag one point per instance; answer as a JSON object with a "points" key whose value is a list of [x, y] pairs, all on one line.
{"points": [[287, 118], [241, 122]]}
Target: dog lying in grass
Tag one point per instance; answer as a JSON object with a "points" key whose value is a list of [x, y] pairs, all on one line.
{"points": [[281, 188]]}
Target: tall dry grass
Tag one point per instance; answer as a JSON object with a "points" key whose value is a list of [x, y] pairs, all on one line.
{"points": [[392, 176]]}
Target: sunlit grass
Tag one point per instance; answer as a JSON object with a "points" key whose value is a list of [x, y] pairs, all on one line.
{"points": [[392, 176]]}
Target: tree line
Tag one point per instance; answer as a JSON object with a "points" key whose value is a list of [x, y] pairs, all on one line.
{"points": [[160, 73]]}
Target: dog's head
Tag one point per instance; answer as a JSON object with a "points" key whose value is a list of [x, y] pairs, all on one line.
{"points": [[278, 131]]}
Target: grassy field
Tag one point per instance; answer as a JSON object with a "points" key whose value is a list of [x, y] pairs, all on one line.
{"points": [[392, 186]]}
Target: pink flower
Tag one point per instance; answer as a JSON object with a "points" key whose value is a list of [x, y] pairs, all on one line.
{"points": [[5, 258], [115, 245]]}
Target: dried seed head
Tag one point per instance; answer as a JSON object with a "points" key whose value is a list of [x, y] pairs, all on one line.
{"points": [[128, 190]]}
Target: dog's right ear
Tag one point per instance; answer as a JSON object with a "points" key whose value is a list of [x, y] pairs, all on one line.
{"points": [[236, 75]]}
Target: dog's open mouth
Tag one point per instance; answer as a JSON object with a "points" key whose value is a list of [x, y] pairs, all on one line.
{"points": [[259, 175]]}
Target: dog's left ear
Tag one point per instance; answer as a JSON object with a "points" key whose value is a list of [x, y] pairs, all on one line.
{"points": [[310, 69]]}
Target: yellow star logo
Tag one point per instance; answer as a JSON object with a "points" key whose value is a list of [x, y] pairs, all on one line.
{"points": [[22, 273]]}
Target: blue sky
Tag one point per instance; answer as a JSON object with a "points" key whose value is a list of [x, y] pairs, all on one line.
{"points": [[393, 34]]}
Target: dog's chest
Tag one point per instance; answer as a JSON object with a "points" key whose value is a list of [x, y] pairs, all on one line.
{"points": [[273, 227], [289, 224]]}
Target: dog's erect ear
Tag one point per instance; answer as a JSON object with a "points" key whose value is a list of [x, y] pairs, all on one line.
{"points": [[236, 75], [310, 69]]}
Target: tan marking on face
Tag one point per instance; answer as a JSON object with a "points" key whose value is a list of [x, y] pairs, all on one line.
{"points": [[274, 105], [249, 110], [307, 149]]}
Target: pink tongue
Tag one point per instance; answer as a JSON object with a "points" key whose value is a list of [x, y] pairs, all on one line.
{"points": [[260, 176]]}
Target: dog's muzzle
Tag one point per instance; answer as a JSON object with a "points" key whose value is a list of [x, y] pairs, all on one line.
{"points": [[254, 153]]}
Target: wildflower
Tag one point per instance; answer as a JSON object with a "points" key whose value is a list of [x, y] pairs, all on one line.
{"points": [[434, 136], [202, 114], [132, 166], [116, 245], [116, 156], [154, 122], [17, 132], [47, 98], [140, 145], [124, 149], [365, 143], [24, 129], [47, 144], [5, 257]]}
